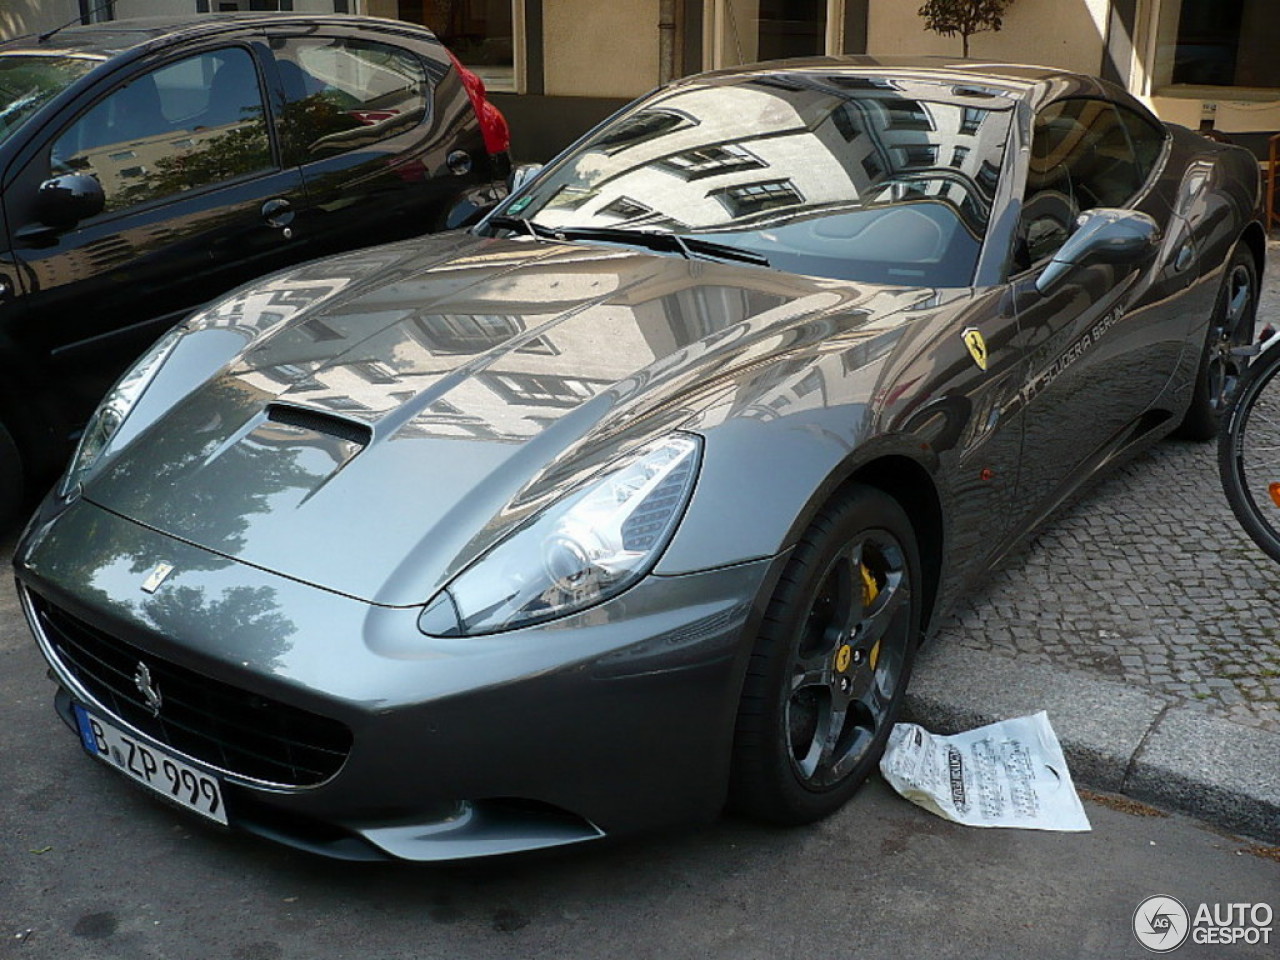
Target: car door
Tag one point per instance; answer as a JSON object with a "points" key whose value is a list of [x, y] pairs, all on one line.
{"points": [[194, 201], [1101, 344], [381, 155]]}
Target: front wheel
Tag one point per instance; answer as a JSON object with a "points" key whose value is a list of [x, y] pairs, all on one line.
{"points": [[1249, 453], [830, 667], [1221, 361]]}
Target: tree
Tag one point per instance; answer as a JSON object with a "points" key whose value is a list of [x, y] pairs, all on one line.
{"points": [[965, 17]]}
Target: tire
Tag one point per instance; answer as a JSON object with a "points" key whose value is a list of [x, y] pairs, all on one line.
{"points": [[1231, 327], [1247, 461], [831, 664], [11, 479]]}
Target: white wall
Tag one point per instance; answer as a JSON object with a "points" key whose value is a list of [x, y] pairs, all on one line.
{"points": [[595, 49], [18, 17]]}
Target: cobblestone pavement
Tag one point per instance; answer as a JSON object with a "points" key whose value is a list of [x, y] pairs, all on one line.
{"points": [[1146, 577]]}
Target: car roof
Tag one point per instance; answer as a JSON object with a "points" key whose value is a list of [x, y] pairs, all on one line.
{"points": [[1017, 79], [114, 37]]}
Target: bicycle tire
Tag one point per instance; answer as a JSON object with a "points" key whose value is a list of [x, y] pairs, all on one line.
{"points": [[1249, 452]]}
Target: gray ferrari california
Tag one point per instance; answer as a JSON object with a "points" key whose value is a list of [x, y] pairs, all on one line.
{"points": [[637, 499]]}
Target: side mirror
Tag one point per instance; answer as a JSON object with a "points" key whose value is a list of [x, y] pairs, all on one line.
{"points": [[1103, 235], [522, 175], [66, 200]]}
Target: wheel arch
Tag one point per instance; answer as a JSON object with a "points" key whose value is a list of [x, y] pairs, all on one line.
{"points": [[1254, 239], [908, 482]]}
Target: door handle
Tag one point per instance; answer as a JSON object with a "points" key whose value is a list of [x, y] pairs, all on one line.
{"points": [[278, 212]]}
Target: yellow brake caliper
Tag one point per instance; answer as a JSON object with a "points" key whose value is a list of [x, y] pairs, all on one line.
{"points": [[870, 590]]}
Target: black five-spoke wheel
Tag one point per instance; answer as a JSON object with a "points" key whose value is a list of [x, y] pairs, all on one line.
{"points": [[832, 662], [1222, 362]]}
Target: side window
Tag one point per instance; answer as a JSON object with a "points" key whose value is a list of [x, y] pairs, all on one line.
{"points": [[1081, 158], [1147, 139], [187, 125], [342, 94]]}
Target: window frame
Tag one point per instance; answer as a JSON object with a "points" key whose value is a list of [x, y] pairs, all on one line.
{"points": [[125, 75], [297, 153], [1160, 49], [1144, 178]]}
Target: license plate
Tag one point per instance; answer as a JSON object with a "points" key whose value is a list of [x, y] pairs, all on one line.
{"points": [[152, 767]]}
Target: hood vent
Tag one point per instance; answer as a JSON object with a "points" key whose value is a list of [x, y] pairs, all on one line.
{"points": [[317, 421]]}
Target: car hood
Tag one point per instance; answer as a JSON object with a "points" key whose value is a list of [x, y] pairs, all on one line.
{"points": [[391, 414]]}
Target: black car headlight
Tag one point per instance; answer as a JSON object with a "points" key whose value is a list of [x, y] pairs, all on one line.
{"points": [[114, 408], [585, 548]]}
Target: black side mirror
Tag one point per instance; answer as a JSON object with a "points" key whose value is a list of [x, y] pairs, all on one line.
{"points": [[1103, 235], [66, 200]]}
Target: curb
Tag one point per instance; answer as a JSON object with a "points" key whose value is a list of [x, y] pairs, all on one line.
{"points": [[1117, 738]]}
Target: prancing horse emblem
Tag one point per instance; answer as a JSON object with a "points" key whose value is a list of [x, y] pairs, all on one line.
{"points": [[147, 687], [977, 345]]}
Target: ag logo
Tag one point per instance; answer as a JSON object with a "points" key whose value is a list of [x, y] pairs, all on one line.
{"points": [[977, 345], [1161, 924]]}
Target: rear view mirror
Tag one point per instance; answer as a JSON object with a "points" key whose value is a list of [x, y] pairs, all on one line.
{"points": [[1101, 236]]}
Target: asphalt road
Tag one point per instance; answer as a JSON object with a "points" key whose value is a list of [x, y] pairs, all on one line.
{"points": [[91, 867]]}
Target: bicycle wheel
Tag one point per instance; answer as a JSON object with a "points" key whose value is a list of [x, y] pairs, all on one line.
{"points": [[1249, 453]]}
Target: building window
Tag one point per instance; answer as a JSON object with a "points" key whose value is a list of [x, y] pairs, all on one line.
{"points": [[919, 154], [971, 120], [240, 6], [645, 125], [1218, 43], [906, 115], [712, 161], [480, 33], [749, 198], [743, 31]]}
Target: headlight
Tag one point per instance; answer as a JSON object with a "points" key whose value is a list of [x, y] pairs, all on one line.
{"points": [[585, 548], [111, 413]]}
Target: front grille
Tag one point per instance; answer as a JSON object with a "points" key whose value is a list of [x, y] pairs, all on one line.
{"points": [[212, 721]]}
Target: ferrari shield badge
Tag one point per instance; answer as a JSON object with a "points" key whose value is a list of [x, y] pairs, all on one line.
{"points": [[977, 346]]}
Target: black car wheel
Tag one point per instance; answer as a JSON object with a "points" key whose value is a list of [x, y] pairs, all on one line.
{"points": [[831, 665], [10, 478], [1221, 363]]}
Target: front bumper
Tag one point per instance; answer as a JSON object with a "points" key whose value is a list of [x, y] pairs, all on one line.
{"points": [[615, 719]]}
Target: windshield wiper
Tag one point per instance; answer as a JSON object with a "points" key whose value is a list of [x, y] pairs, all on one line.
{"points": [[519, 223], [688, 247]]}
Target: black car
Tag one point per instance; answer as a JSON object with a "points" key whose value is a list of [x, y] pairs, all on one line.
{"points": [[147, 166]]}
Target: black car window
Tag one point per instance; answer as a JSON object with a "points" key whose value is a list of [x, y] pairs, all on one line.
{"points": [[1147, 138], [342, 93], [28, 82], [189, 124], [1081, 158]]}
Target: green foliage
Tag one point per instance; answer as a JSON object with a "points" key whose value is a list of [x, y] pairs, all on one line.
{"points": [[965, 17]]}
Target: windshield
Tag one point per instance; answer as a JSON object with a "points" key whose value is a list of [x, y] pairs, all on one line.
{"points": [[28, 81], [836, 175]]}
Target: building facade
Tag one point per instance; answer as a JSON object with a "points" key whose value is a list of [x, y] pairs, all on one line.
{"points": [[556, 67]]}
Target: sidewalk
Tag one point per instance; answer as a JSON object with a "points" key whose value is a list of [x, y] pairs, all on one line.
{"points": [[1142, 618]]}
